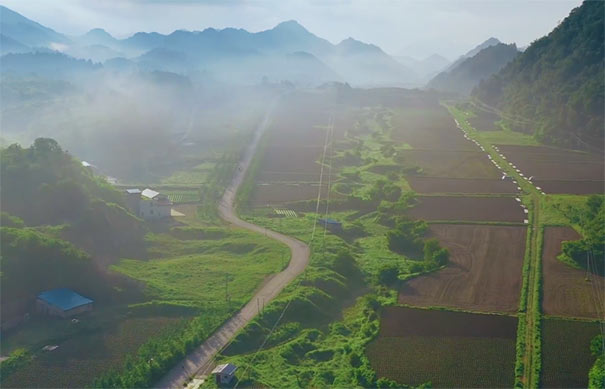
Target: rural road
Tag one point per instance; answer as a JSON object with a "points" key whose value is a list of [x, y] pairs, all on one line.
{"points": [[200, 361]]}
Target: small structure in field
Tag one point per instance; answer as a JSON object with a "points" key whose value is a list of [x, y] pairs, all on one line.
{"points": [[154, 205], [331, 224], [224, 373], [148, 204], [63, 303]]}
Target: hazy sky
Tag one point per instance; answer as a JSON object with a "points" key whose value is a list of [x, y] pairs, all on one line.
{"points": [[413, 27]]}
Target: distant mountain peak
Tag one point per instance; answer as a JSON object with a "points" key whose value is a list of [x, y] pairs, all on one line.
{"points": [[351, 44], [485, 44], [290, 25]]}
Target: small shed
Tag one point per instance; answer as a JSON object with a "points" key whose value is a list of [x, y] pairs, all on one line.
{"points": [[224, 373], [62, 302], [331, 224]]}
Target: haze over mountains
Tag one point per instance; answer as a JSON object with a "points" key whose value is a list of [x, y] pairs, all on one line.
{"points": [[286, 52], [469, 70]]}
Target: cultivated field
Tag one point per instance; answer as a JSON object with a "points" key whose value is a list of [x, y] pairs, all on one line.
{"points": [[288, 166], [421, 184], [571, 186], [82, 357], [428, 127], [567, 292], [276, 194], [566, 357], [451, 163], [502, 209], [484, 272], [558, 170], [449, 349]]}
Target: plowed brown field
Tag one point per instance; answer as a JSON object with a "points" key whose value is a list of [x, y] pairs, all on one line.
{"points": [[451, 164], [558, 170], [503, 209], [428, 127], [566, 290], [449, 349], [422, 184], [484, 273]]}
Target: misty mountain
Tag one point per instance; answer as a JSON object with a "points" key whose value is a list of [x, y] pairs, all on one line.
{"points": [[468, 73], [214, 51], [28, 32], [554, 89], [97, 36], [471, 53], [50, 65], [9, 45], [426, 68]]}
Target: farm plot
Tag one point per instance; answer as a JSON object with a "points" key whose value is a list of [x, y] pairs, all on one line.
{"points": [[429, 128], [276, 194], [484, 121], [183, 196], [571, 186], [484, 272], [558, 170], [78, 360], [449, 349], [422, 184], [566, 357], [451, 163], [502, 209], [567, 292]]}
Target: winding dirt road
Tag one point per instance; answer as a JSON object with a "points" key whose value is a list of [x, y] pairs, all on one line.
{"points": [[200, 361]]}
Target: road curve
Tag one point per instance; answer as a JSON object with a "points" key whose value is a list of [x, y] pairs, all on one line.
{"points": [[200, 360]]}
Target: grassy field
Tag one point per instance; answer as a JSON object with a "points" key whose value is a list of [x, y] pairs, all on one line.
{"points": [[501, 137], [184, 278], [553, 209], [194, 271]]}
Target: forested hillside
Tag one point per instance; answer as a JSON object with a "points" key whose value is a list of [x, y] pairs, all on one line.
{"points": [[555, 88], [466, 75], [57, 219], [44, 185]]}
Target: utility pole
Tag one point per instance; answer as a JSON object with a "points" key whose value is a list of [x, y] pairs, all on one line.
{"points": [[227, 287]]}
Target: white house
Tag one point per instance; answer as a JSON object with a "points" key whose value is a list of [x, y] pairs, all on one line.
{"points": [[154, 205], [148, 204]]}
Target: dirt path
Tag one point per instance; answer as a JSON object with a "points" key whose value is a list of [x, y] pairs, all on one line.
{"points": [[200, 361]]}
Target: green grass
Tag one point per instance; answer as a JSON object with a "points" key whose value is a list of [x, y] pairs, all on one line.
{"points": [[504, 137], [194, 271], [552, 208], [182, 196]]}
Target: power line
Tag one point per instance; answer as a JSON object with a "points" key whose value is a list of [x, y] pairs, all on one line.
{"points": [[323, 159]]}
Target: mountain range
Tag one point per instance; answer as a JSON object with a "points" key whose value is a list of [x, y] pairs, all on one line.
{"points": [[287, 51]]}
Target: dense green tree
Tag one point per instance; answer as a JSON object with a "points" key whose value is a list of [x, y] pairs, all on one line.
{"points": [[555, 88]]}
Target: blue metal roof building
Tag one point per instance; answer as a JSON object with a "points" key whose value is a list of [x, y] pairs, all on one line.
{"points": [[63, 302]]}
